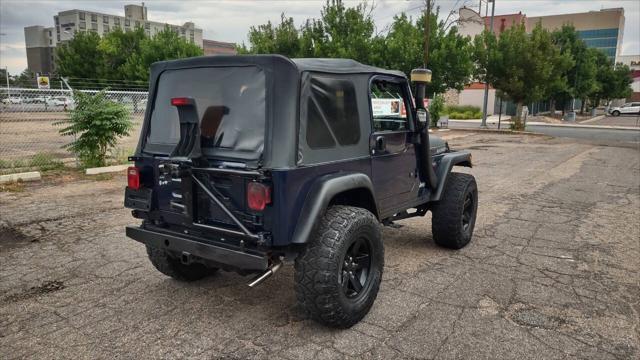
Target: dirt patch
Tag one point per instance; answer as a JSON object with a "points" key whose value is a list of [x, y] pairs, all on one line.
{"points": [[11, 238], [45, 288]]}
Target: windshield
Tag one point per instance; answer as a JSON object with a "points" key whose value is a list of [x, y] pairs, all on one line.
{"points": [[231, 110]]}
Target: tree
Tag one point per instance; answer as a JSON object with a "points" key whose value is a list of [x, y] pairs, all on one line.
{"points": [[116, 48], [81, 57], [612, 81], [284, 39], [96, 123], [518, 64], [121, 56], [165, 45]]}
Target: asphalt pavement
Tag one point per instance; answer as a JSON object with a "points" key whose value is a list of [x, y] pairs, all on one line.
{"points": [[551, 273]]}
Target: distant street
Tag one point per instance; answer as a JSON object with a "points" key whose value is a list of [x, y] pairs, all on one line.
{"points": [[596, 130], [622, 120]]}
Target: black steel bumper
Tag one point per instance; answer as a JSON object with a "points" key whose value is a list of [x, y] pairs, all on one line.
{"points": [[235, 258]]}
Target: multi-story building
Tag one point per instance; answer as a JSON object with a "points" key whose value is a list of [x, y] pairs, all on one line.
{"points": [[40, 41], [602, 29]]}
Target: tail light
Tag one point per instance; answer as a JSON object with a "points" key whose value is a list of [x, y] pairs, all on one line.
{"points": [[133, 177], [181, 101], [258, 196]]}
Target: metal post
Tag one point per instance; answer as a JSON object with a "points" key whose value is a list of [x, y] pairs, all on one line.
{"points": [[6, 72], [500, 114], [486, 84]]}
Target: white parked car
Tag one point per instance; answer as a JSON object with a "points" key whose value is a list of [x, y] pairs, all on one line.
{"points": [[628, 108], [12, 100], [59, 101]]}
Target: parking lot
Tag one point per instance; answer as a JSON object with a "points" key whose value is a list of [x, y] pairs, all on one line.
{"points": [[553, 272]]}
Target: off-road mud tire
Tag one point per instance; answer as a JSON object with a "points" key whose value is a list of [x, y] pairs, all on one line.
{"points": [[172, 266], [448, 222], [320, 269]]}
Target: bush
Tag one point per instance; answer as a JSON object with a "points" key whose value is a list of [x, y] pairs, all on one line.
{"points": [[97, 123], [462, 109], [435, 109]]}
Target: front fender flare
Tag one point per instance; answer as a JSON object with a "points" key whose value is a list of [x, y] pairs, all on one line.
{"points": [[460, 158], [319, 196]]}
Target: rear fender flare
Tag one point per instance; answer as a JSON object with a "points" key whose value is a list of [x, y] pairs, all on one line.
{"points": [[322, 191]]}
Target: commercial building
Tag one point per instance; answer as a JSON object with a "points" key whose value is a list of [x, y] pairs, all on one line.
{"points": [[41, 41], [603, 29]]}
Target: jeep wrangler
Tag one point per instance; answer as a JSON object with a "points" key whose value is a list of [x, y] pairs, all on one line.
{"points": [[246, 163]]}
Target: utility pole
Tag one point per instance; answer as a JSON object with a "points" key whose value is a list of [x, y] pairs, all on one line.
{"points": [[427, 32], [486, 83]]}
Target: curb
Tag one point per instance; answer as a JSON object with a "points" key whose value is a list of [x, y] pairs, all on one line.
{"points": [[502, 132], [25, 176], [599, 117], [106, 169]]}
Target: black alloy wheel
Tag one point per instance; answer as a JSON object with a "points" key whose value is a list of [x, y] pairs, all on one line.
{"points": [[356, 267]]}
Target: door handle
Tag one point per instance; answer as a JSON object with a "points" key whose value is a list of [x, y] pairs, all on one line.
{"points": [[381, 143]]}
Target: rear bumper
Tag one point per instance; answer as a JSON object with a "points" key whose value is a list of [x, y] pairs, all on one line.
{"points": [[235, 258]]}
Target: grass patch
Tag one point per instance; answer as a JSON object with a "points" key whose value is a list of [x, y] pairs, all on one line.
{"points": [[45, 162]]}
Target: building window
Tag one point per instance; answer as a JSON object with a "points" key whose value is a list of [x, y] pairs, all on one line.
{"points": [[183, 31], [49, 33], [137, 23], [106, 28], [83, 25], [50, 42], [57, 20], [147, 26], [94, 18], [105, 19], [58, 37], [116, 21], [127, 22], [94, 26], [81, 15]]}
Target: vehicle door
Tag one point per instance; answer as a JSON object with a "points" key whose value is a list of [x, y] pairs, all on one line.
{"points": [[635, 108], [393, 157]]}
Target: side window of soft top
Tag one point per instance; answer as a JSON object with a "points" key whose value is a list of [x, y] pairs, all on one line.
{"points": [[388, 106], [332, 113]]}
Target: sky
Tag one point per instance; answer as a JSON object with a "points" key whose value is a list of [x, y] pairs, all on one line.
{"points": [[230, 20]]}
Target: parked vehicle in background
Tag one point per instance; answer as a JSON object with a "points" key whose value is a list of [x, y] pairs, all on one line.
{"points": [[628, 108], [12, 100], [59, 101]]}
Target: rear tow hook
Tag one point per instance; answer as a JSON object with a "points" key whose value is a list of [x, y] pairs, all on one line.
{"points": [[260, 278]]}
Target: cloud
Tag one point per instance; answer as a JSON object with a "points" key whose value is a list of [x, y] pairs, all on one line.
{"points": [[230, 20]]}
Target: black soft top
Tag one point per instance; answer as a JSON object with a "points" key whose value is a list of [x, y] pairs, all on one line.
{"points": [[284, 81], [326, 65], [341, 66]]}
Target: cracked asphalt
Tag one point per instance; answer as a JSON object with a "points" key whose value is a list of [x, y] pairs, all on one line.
{"points": [[552, 273]]}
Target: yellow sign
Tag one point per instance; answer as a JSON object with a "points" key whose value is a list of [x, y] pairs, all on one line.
{"points": [[43, 82]]}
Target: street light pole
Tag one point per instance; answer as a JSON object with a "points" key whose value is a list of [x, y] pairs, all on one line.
{"points": [[486, 84]]}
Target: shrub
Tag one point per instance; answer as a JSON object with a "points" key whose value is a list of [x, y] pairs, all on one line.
{"points": [[435, 109], [97, 123], [462, 109]]}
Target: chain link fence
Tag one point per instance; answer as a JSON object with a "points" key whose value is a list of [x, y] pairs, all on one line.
{"points": [[29, 127]]}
